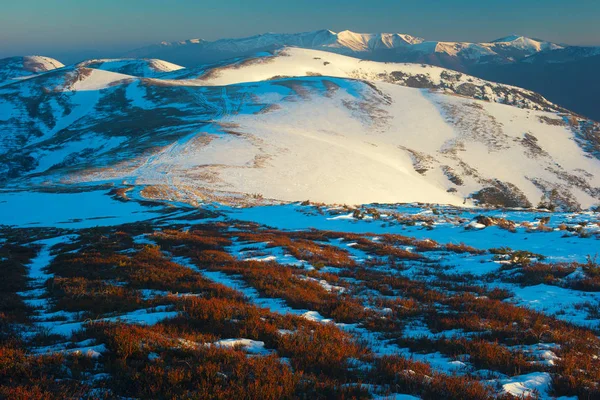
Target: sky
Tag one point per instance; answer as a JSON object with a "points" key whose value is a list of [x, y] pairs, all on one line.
{"points": [[80, 28]]}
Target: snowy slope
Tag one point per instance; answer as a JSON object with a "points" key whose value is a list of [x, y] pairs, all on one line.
{"points": [[143, 68], [282, 129], [301, 62], [20, 67], [517, 60], [336, 141], [47, 109]]}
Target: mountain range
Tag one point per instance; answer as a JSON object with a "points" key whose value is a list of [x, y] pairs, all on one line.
{"points": [[562, 73], [376, 46]]}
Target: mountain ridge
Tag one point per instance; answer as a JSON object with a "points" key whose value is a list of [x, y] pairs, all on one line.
{"points": [[348, 42], [515, 59]]}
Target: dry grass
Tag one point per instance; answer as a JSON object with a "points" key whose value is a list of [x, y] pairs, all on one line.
{"points": [[103, 271]]}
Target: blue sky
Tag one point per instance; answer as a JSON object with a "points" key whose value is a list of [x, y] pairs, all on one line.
{"points": [[62, 27]]}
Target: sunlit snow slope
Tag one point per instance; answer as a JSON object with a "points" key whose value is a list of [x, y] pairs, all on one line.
{"points": [[301, 125], [293, 62]]}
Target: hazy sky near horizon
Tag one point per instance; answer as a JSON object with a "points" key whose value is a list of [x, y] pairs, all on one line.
{"points": [[76, 28]]}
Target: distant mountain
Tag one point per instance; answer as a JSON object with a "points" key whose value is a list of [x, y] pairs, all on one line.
{"points": [[143, 68], [514, 59], [574, 83], [20, 67], [564, 55], [197, 51], [293, 125], [376, 46]]}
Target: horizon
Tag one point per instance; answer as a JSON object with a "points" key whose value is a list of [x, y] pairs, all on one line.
{"points": [[81, 55], [73, 30]]}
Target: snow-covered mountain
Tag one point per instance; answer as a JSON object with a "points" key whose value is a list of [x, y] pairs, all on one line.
{"points": [[299, 124], [376, 46], [504, 50], [564, 55], [292, 62], [143, 68], [21, 67], [515, 60], [344, 42]]}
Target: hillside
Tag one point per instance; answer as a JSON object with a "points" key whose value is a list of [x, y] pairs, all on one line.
{"points": [[243, 132], [550, 69], [293, 62], [111, 293], [143, 68]]}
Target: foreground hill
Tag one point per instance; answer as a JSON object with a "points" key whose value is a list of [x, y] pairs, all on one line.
{"points": [[288, 136], [113, 297]]}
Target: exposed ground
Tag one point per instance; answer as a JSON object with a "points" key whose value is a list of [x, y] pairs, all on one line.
{"points": [[152, 300]]}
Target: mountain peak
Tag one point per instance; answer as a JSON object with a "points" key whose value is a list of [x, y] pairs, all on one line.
{"points": [[518, 38], [379, 46], [510, 38]]}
